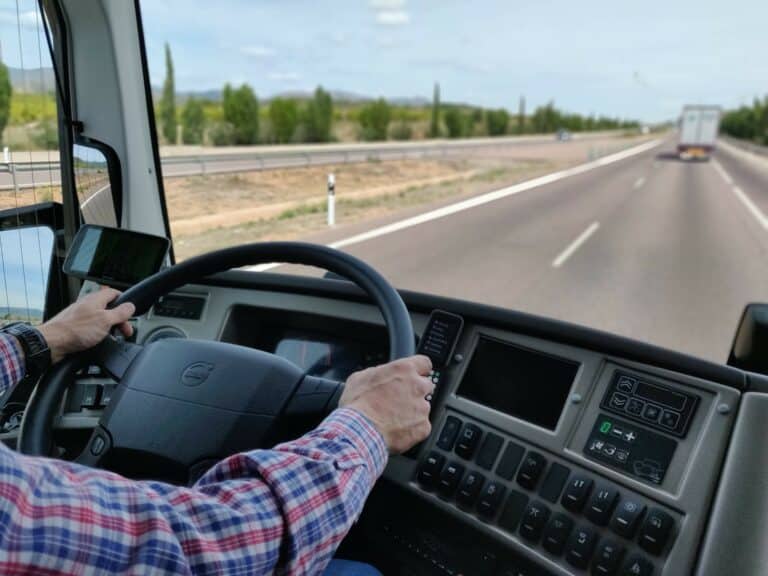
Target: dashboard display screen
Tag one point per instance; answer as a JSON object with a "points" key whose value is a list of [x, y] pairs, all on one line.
{"points": [[115, 257], [528, 385], [324, 356]]}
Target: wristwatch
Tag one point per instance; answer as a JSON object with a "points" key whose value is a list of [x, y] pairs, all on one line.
{"points": [[37, 355]]}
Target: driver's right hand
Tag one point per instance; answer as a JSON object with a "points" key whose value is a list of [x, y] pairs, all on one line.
{"points": [[85, 323], [393, 397]]}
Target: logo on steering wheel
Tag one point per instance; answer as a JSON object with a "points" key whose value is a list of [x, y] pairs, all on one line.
{"points": [[197, 373]]}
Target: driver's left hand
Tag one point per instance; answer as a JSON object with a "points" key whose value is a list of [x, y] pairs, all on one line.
{"points": [[85, 323]]}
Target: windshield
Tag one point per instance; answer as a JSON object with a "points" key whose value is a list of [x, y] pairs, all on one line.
{"points": [[600, 164]]}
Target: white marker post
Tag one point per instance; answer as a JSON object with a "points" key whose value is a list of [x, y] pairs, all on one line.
{"points": [[6, 155], [331, 200]]}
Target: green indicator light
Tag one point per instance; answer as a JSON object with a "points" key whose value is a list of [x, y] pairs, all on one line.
{"points": [[605, 427]]}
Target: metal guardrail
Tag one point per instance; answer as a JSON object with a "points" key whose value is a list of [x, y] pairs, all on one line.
{"points": [[745, 145], [313, 155]]}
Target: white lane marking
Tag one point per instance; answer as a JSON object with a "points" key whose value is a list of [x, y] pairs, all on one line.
{"points": [[481, 199], [746, 200], [751, 206], [575, 245], [639, 183], [723, 173], [92, 196]]}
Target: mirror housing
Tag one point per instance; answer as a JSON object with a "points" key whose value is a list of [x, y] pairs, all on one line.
{"points": [[750, 344]]}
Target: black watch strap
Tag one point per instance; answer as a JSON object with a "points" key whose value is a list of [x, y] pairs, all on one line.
{"points": [[37, 355]]}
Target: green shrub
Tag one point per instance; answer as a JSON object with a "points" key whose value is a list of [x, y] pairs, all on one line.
{"points": [[455, 123], [402, 131], [496, 122], [374, 120], [192, 122], [221, 134], [241, 110], [283, 117], [318, 117], [45, 135]]}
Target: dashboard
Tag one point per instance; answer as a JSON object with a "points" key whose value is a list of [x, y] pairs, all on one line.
{"points": [[555, 449]]}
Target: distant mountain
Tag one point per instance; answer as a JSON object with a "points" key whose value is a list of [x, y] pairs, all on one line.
{"points": [[32, 80], [15, 313]]}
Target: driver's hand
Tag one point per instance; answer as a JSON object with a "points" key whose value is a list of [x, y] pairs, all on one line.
{"points": [[392, 396], [85, 323]]}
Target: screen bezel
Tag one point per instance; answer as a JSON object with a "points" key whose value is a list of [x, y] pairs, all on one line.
{"points": [[526, 347], [80, 237]]}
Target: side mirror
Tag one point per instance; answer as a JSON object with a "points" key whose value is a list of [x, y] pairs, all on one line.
{"points": [[97, 182], [750, 345], [25, 254]]}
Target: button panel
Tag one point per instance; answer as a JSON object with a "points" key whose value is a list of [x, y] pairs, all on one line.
{"points": [[570, 515], [469, 438], [656, 405], [637, 451]]}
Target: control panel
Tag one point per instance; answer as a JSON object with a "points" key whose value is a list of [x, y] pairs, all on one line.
{"points": [[631, 449], [654, 404], [180, 306], [568, 514]]}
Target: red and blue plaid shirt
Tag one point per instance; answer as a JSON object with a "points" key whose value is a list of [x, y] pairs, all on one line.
{"points": [[283, 510]]}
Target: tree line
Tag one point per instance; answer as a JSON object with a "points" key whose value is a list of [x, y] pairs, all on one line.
{"points": [[240, 119], [748, 122]]}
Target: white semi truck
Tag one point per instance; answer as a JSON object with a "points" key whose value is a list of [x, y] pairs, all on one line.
{"points": [[699, 126]]}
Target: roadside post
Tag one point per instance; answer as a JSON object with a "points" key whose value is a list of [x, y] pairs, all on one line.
{"points": [[331, 200], [12, 168]]}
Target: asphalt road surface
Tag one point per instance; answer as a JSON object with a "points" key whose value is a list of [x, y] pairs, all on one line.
{"points": [[648, 247]]}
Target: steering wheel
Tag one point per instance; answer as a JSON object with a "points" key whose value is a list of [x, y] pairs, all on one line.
{"points": [[181, 404]]}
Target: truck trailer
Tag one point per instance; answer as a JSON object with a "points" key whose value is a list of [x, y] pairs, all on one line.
{"points": [[698, 132]]}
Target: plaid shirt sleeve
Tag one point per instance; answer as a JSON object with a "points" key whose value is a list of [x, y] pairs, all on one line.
{"points": [[280, 511], [11, 362]]}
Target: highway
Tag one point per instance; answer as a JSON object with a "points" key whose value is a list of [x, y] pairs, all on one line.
{"points": [[646, 246]]}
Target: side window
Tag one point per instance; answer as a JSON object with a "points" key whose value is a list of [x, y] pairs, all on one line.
{"points": [[30, 178], [29, 163]]}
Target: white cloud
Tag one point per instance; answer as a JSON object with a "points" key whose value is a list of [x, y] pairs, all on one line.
{"points": [[257, 51], [386, 4], [286, 77], [393, 17]]}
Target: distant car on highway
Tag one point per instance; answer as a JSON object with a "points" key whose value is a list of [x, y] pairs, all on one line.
{"points": [[563, 135], [699, 126]]}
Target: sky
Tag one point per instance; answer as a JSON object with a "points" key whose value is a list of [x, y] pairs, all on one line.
{"points": [[641, 60]]}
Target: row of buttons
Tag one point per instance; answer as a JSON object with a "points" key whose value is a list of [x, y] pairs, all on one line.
{"points": [[661, 406], [472, 492], [647, 411], [535, 521], [95, 395]]}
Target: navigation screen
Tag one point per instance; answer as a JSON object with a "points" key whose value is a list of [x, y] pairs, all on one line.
{"points": [[115, 257], [520, 382]]}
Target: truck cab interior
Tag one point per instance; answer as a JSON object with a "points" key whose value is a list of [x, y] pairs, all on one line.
{"points": [[556, 449]]}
